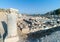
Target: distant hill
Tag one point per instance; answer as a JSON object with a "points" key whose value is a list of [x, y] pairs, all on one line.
{"points": [[54, 12]]}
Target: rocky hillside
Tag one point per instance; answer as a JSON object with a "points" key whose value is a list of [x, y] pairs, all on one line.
{"points": [[35, 23], [53, 14], [28, 23]]}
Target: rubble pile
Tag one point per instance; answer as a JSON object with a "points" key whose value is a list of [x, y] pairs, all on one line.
{"points": [[31, 23]]}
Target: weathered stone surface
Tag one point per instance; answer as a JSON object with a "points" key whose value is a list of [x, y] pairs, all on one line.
{"points": [[12, 27], [25, 30], [8, 27]]}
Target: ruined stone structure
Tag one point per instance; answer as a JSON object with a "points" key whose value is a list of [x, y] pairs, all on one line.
{"points": [[8, 27], [28, 26]]}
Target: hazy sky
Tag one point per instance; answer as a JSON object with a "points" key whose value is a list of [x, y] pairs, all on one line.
{"points": [[31, 6]]}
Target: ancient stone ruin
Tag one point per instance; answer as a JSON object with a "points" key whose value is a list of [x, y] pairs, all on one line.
{"points": [[8, 27], [16, 27]]}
